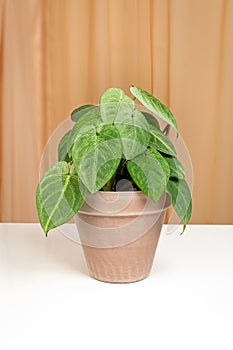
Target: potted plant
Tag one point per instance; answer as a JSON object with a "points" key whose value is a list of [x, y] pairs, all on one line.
{"points": [[117, 173]]}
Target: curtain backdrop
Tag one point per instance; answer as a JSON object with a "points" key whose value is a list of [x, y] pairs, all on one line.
{"points": [[58, 54]]}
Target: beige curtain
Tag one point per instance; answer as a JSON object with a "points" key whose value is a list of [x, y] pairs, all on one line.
{"points": [[57, 54]]}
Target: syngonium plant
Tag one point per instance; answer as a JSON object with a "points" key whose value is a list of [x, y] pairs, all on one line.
{"points": [[108, 143]]}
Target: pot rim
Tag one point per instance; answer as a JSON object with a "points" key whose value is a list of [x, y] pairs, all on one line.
{"points": [[162, 204]]}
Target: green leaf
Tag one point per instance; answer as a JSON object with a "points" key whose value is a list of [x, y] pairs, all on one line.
{"points": [[160, 142], [150, 172], [63, 151], [59, 196], [96, 156], [181, 199], [80, 111], [151, 120], [86, 123], [134, 133], [176, 168], [154, 105], [114, 103]]}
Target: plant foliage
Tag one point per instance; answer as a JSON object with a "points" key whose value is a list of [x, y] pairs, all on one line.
{"points": [[107, 143]]}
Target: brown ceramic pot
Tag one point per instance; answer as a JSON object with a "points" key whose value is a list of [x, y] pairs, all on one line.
{"points": [[119, 232]]}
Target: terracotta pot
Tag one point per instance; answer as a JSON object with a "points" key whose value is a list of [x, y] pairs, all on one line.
{"points": [[119, 232]]}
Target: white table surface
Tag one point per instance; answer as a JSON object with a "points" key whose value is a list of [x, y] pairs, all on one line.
{"points": [[48, 301]]}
